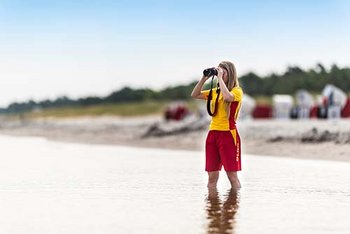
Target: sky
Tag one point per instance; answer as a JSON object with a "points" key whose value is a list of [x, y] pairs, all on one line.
{"points": [[94, 47]]}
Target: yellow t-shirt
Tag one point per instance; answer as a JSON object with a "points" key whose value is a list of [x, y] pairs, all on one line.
{"points": [[220, 121]]}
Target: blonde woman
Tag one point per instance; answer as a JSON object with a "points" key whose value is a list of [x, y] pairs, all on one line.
{"points": [[223, 144]]}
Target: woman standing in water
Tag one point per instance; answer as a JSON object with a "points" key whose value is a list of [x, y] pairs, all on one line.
{"points": [[223, 144]]}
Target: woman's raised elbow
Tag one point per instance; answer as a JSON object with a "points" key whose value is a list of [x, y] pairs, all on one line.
{"points": [[194, 95]]}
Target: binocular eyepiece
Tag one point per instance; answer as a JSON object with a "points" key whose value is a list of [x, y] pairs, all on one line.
{"points": [[210, 72]]}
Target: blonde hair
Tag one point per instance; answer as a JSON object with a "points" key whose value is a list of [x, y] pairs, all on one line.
{"points": [[232, 81]]}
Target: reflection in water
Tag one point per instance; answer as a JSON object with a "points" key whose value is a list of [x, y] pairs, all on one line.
{"points": [[221, 215]]}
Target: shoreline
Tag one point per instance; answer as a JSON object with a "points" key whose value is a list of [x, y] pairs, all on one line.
{"points": [[304, 139]]}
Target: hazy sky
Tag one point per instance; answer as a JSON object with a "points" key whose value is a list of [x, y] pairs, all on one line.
{"points": [[93, 47]]}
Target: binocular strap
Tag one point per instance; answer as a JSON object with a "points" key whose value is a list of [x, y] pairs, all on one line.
{"points": [[210, 96]]}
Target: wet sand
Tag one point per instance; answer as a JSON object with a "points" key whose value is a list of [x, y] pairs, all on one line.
{"points": [[310, 139]]}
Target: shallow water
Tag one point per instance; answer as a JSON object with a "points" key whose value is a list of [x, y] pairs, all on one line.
{"points": [[50, 187]]}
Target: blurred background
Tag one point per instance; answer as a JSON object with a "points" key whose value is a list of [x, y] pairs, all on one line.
{"points": [[117, 62], [86, 53]]}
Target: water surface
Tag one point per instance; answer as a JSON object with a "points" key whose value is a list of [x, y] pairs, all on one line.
{"points": [[51, 187]]}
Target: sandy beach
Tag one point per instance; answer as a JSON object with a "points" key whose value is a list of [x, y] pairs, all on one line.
{"points": [[309, 139]]}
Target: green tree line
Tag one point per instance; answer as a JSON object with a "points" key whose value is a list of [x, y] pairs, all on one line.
{"points": [[293, 79]]}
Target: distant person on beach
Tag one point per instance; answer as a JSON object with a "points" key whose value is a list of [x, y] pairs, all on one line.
{"points": [[223, 144]]}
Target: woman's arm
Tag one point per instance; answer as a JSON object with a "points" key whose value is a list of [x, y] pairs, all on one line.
{"points": [[196, 93], [226, 94]]}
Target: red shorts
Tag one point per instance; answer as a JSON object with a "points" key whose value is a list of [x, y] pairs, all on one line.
{"points": [[221, 149]]}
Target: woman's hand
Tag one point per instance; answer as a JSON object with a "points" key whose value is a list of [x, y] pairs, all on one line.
{"points": [[220, 72]]}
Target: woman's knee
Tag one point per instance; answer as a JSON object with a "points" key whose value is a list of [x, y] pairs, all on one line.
{"points": [[232, 174], [213, 176]]}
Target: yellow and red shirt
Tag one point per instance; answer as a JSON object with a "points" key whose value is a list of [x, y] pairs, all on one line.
{"points": [[219, 121]]}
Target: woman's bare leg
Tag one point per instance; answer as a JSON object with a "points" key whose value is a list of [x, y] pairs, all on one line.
{"points": [[232, 176], [213, 177]]}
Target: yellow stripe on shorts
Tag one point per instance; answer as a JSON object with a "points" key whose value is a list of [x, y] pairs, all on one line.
{"points": [[234, 135]]}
